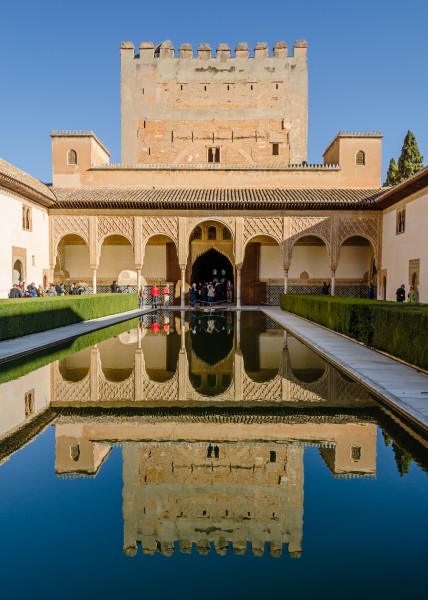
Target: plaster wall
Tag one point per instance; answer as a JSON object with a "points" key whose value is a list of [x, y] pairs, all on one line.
{"points": [[399, 249], [154, 265], [114, 259], [33, 242], [12, 398], [271, 264], [270, 351], [354, 262], [312, 259]]}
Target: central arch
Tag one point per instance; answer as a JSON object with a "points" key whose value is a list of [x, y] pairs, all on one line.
{"points": [[211, 265]]}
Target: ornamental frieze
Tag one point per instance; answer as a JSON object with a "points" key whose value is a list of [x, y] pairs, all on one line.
{"points": [[271, 226], [63, 225]]}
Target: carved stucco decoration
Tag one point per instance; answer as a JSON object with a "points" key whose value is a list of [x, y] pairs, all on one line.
{"points": [[271, 390], [270, 226], [111, 390], [192, 394], [225, 250], [166, 391], [71, 391], [298, 393], [69, 225], [366, 227], [300, 227], [115, 225], [160, 226]]}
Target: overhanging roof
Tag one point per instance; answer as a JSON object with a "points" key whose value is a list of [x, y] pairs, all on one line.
{"points": [[215, 199], [410, 186], [25, 185]]}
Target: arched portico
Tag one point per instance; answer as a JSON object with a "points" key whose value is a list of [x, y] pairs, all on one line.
{"points": [[262, 272], [309, 264], [356, 267], [160, 264], [72, 261]]}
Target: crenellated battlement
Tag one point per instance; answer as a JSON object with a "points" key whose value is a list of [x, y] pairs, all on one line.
{"points": [[147, 51]]}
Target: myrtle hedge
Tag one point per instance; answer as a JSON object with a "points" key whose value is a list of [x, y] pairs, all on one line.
{"points": [[22, 316], [399, 329]]}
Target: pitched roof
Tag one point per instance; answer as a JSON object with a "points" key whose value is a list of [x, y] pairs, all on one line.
{"points": [[24, 184], [216, 199], [410, 186]]}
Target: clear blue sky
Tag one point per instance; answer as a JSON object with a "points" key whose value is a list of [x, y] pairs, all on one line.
{"points": [[60, 65]]}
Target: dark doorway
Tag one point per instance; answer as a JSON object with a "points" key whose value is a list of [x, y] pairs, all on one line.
{"points": [[211, 265]]}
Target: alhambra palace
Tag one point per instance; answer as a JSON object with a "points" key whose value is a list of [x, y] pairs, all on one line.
{"points": [[214, 179]]}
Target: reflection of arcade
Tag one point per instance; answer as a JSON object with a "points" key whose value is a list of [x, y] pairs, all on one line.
{"points": [[210, 348], [161, 368], [253, 492]]}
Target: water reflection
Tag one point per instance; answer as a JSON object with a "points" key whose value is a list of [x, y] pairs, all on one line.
{"points": [[213, 416], [199, 358]]}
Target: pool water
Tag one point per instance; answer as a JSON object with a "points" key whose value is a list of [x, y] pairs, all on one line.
{"points": [[205, 455]]}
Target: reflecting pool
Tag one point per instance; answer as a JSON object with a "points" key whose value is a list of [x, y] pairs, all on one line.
{"points": [[196, 454]]}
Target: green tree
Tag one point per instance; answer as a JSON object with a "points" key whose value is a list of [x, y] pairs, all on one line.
{"points": [[392, 176], [386, 438], [410, 161], [402, 458]]}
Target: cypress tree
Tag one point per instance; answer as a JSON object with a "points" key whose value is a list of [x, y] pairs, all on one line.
{"points": [[410, 161], [392, 176]]}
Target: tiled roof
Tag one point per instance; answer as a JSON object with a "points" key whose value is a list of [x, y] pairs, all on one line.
{"points": [[392, 195], [216, 199], [24, 184]]}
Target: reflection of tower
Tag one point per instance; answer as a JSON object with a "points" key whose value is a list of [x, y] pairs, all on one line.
{"points": [[252, 493]]}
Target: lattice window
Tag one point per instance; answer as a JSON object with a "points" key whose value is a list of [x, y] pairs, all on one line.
{"points": [[212, 233], [360, 158], [72, 157], [356, 453], [400, 226], [26, 218], [29, 403], [213, 154]]}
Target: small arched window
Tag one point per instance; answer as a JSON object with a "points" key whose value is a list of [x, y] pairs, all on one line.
{"points": [[226, 234], [212, 233], [72, 157], [360, 158], [197, 233]]}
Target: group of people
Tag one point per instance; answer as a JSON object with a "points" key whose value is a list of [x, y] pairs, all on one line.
{"points": [[155, 294], [20, 290], [211, 292], [412, 296]]}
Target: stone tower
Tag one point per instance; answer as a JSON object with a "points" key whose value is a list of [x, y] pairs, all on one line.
{"points": [[201, 109]]}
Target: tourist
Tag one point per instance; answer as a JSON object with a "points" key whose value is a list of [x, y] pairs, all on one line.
{"points": [[401, 293], [154, 293], [325, 288], [115, 289], [51, 290], [210, 294], [412, 295], [209, 451], [15, 291], [166, 296], [229, 292], [32, 292], [192, 295], [371, 293], [216, 452], [141, 297], [166, 325]]}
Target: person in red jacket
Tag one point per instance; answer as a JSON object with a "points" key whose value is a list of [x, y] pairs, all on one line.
{"points": [[155, 296]]}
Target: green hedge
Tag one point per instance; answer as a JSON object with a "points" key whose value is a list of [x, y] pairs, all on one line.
{"points": [[400, 329], [22, 316]]}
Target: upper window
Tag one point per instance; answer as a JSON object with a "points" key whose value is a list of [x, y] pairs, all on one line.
{"points": [[226, 233], [360, 158], [355, 453], [275, 149], [72, 157], [214, 155], [197, 233], [26, 218], [212, 233], [400, 225], [29, 404]]}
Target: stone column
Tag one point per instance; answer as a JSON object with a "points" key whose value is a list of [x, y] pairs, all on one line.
{"points": [[94, 281], [238, 286], [333, 283], [285, 281], [238, 331], [138, 280], [183, 285]]}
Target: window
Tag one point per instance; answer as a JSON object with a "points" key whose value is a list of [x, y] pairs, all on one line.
{"points": [[400, 225], [214, 155], [272, 456], [72, 157], [197, 233], [212, 233], [355, 452], [275, 149], [26, 218], [29, 403], [360, 159], [226, 233]]}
